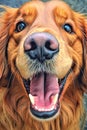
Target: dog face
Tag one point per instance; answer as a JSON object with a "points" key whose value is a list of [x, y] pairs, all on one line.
{"points": [[45, 45]]}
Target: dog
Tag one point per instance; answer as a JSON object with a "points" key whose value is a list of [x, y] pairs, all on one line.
{"points": [[43, 66]]}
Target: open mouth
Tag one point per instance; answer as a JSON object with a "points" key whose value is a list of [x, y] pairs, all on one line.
{"points": [[44, 91]]}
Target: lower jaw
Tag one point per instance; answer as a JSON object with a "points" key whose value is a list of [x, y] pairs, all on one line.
{"points": [[44, 115]]}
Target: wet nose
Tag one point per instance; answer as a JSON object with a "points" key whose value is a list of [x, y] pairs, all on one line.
{"points": [[41, 46]]}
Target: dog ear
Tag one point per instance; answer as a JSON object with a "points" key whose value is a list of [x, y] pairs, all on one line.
{"points": [[84, 79], [81, 22], [3, 42], [83, 73], [5, 22]]}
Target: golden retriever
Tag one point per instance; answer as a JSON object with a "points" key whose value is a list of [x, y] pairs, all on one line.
{"points": [[43, 66]]}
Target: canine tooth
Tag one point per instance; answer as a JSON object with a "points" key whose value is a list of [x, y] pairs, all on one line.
{"points": [[55, 98], [30, 79], [57, 79], [32, 99]]}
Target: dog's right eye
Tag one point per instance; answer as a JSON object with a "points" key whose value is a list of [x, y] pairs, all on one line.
{"points": [[20, 26]]}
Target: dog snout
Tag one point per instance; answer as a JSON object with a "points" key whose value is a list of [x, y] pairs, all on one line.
{"points": [[41, 46]]}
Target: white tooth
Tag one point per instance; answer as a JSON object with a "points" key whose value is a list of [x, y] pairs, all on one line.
{"points": [[55, 98], [46, 110], [52, 108], [36, 108], [57, 79], [39, 109], [42, 109], [32, 99], [30, 78]]}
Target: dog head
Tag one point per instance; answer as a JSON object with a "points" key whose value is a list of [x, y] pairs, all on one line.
{"points": [[45, 45]]}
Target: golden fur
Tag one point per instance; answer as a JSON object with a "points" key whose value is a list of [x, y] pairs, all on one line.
{"points": [[14, 100]]}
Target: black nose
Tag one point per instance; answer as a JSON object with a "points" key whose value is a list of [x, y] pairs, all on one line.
{"points": [[41, 46]]}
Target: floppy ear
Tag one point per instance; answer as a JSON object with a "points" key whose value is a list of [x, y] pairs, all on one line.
{"points": [[84, 79], [6, 18], [3, 41], [83, 73]]}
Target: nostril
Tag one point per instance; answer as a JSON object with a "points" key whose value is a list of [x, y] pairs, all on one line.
{"points": [[51, 45], [30, 48], [48, 45], [30, 45], [33, 44]]}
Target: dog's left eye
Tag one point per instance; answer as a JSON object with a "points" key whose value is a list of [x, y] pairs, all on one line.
{"points": [[68, 28], [20, 26]]}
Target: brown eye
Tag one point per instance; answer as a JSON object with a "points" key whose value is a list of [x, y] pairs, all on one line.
{"points": [[20, 26], [68, 28]]}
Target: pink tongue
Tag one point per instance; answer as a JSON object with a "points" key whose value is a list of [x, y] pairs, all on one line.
{"points": [[43, 86]]}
